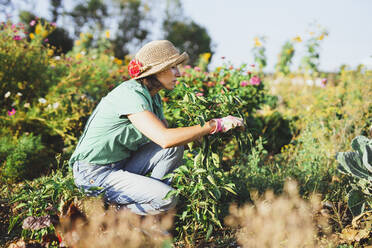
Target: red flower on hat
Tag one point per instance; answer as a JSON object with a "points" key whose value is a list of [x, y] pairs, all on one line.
{"points": [[134, 68]]}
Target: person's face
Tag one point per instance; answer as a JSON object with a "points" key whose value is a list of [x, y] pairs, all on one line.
{"points": [[168, 78]]}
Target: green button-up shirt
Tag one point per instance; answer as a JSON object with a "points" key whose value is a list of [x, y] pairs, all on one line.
{"points": [[109, 136]]}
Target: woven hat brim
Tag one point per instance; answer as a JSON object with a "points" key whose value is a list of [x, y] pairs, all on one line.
{"points": [[183, 58]]}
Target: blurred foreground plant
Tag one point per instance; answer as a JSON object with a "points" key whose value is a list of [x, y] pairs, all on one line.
{"points": [[283, 221]]}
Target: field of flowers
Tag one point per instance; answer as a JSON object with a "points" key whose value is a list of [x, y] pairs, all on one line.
{"points": [[277, 183]]}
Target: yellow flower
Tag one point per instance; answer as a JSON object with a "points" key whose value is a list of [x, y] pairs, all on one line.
{"points": [[311, 33], [38, 29], [297, 38], [78, 56], [189, 155], [118, 61], [107, 34], [206, 56], [81, 35], [257, 42], [321, 37], [32, 36], [77, 43], [44, 33], [50, 52]]}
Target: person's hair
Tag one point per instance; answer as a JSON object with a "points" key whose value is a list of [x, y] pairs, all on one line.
{"points": [[151, 82]]}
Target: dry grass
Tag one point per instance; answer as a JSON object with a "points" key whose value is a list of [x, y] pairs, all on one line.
{"points": [[284, 221], [111, 228]]}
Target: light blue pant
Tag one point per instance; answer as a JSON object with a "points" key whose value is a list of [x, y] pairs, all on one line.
{"points": [[125, 183]]}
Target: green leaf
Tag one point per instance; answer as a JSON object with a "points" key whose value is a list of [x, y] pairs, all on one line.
{"points": [[216, 159], [356, 202], [209, 232], [171, 193], [211, 180], [190, 145], [230, 190], [184, 214], [200, 171], [201, 120], [352, 163], [12, 222]]}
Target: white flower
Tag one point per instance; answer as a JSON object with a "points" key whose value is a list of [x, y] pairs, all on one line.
{"points": [[42, 100], [26, 105], [83, 52], [19, 94], [57, 57], [7, 94], [55, 105]]}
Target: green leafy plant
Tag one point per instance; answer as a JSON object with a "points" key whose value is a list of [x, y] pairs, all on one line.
{"points": [[310, 62], [25, 159], [43, 196], [285, 58], [203, 182], [358, 164], [259, 52]]}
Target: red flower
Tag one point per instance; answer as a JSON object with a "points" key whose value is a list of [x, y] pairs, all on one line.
{"points": [[134, 68]]}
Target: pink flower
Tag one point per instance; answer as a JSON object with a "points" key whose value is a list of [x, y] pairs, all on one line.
{"points": [[11, 112], [222, 83], [324, 82], [187, 67], [223, 57], [32, 23], [17, 37], [13, 26], [199, 94], [197, 68], [253, 65], [46, 40], [243, 83], [177, 82], [255, 80], [53, 24]]}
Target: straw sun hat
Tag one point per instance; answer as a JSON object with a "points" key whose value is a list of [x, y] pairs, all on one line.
{"points": [[154, 57]]}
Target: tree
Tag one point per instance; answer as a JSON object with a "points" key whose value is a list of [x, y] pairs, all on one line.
{"points": [[90, 14], [131, 30], [185, 34]]}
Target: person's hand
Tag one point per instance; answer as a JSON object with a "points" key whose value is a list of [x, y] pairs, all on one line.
{"points": [[226, 123]]}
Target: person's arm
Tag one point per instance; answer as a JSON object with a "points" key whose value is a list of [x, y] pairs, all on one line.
{"points": [[152, 127]]}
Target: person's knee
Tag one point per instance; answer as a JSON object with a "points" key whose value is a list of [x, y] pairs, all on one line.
{"points": [[176, 152]]}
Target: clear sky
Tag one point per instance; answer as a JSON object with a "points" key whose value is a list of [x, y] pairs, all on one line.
{"points": [[233, 24]]}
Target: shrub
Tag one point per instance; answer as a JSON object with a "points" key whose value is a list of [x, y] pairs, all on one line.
{"points": [[25, 160], [25, 69]]}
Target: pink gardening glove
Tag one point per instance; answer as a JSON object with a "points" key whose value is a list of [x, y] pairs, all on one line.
{"points": [[226, 123]]}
